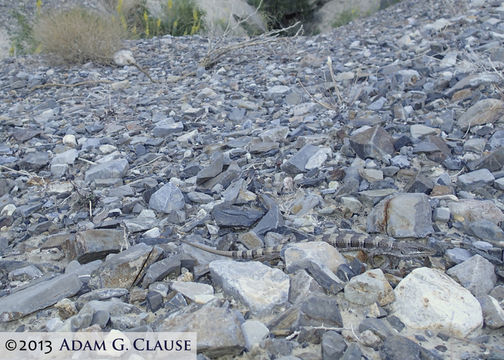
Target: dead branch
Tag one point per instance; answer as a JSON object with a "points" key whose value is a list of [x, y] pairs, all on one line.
{"points": [[82, 83], [215, 55]]}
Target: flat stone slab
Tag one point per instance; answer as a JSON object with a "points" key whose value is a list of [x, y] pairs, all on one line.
{"points": [[38, 296]]}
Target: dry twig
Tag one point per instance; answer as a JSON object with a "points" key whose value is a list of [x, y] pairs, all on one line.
{"points": [[214, 55], [82, 83]]}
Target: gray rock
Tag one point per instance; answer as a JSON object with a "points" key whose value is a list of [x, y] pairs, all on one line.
{"points": [[167, 199], [469, 210], [278, 90], [353, 352], [473, 81], [441, 214], [199, 197], [485, 230], [377, 104], [254, 332], [493, 313], [212, 170], [377, 326], [373, 143], [232, 215], [101, 295], [369, 288], [225, 178], [458, 255], [26, 273], [475, 179], [227, 341], [110, 169], [296, 164], [476, 274], [257, 286], [272, 220], [333, 345], [399, 347], [124, 269], [498, 293], [475, 145], [492, 162], [38, 296], [34, 160], [100, 318], [166, 128], [405, 215], [320, 310], [160, 269], [485, 111], [497, 140], [95, 244], [154, 301], [301, 286], [65, 158]]}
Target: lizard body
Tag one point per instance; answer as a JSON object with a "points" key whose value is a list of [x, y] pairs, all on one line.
{"points": [[344, 240]]}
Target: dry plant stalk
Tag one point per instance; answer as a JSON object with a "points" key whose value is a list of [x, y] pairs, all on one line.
{"points": [[79, 35], [215, 55]]}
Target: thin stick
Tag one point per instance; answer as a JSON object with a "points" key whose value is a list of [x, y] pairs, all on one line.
{"points": [[87, 161], [22, 172], [149, 162], [82, 83], [329, 65], [327, 106], [213, 56]]}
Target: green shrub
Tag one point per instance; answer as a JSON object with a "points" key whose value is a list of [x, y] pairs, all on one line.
{"points": [[178, 17], [78, 36], [22, 39], [181, 17]]}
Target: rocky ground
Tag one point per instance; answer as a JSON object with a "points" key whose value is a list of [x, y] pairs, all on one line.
{"points": [[102, 177]]}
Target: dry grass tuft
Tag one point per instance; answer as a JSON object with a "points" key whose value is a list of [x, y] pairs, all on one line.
{"points": [[78, 35]]}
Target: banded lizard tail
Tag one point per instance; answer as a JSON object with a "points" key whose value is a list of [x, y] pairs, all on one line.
{"points": [[344, 240]]}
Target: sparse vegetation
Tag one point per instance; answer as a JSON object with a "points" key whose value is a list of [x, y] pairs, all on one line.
{"points": [[78, 35], [181, 17], [22, 39]]}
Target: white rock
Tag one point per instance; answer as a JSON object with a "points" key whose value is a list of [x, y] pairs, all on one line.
{"points": [[8, 210], [368, 288], [70, 140], [256, 285], [63, 187], [254, 332], [371, 175], [317, 159], [418, 131], [152, 233], [429, 299], [191, 290], [320, 252], [107, 148]]}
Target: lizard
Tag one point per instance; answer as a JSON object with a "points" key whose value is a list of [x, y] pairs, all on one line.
{"points": [[344, 240]]}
